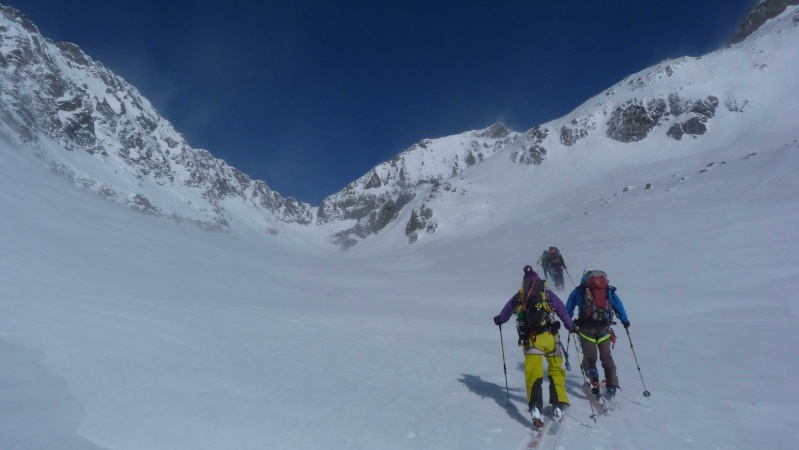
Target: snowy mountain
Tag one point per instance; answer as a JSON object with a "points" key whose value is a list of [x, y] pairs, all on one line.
{"points": [[685, 107], [96, 129]]}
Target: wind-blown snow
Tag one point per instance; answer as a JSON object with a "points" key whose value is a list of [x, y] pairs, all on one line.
{"points": [[120, 330]]}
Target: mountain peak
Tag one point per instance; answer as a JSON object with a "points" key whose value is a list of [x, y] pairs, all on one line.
{"points": [[16, 15], [758, 14], [496, 131]]}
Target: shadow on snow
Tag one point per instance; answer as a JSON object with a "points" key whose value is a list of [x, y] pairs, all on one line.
{"points": [[497, 393], [38, 409]]}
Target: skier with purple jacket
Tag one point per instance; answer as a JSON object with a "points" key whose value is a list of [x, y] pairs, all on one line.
{"points": [[537, 310]]}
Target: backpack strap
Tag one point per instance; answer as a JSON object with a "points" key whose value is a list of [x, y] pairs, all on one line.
{"points": [[530, 291], [524, 296]]}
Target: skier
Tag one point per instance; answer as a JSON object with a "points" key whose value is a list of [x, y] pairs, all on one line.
{"points": [[534, 306], [557, 265], [596, 302], [543, 261]]}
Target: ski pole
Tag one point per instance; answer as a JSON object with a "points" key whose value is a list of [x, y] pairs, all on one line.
{"points": [[646, 393], [504, 367], [570, 276], [566, 352], [582, 372]]}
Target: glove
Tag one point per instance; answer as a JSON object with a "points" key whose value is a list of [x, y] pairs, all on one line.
{"points": [[497, 320], [626, 324], [574, 329]]}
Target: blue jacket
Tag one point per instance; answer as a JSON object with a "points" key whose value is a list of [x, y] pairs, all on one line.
{"points": [[577, 300]]}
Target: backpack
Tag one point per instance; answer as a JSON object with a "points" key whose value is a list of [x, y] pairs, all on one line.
{"points": [[545, 258], [596, 292], [533, 316], [555, 260], [535, 304]]}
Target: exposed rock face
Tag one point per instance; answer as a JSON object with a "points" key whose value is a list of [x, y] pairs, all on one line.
{"points": [[55, 91], [699, 112], [654, 76], [735, 104], [761, 11], [634, 120], [421, 220], [577, 129], [534, 151]]}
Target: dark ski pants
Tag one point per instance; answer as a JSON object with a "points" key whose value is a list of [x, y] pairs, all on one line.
{"points": [[591, 340], [558, 275]]}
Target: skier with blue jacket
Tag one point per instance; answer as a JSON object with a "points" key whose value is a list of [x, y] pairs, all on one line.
{"points": [[596, 302]]}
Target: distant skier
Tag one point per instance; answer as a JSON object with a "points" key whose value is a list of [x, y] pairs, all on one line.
{"points": [[596, 302], [557, 265], [543, 261], [535, 308]]}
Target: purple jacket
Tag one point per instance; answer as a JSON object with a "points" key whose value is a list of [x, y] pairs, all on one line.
{"points": [[557, 305]]}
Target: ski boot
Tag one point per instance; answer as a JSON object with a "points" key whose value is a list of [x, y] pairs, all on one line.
{"points": [[594, 376], [559, 411], [537, 416], [610, 391]]}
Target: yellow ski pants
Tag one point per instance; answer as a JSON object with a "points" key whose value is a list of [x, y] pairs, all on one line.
{"points": [[547, 346]]}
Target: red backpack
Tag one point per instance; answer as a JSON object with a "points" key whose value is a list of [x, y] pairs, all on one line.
{"points": [[596, 308]]}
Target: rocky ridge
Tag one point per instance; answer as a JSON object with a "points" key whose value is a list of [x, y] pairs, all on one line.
{"points": [[759, 14]]}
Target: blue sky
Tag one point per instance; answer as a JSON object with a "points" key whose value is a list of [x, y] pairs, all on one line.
{"points": [[310, 95]]}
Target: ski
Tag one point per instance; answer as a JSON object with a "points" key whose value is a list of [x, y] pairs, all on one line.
{"points": [[535, 440], [551, 427], [610, 404], [538, 435], [595, 401]]}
